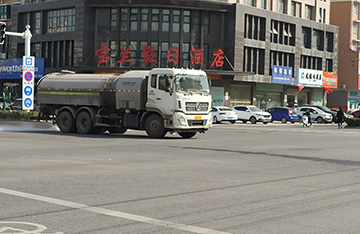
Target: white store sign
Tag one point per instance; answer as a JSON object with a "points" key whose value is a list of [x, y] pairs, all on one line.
{"points": [[28, 83], [310, 78]]}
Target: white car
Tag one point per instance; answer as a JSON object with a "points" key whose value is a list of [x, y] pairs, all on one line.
{"points": [[223, 113], [316, 114], [251, 113]]}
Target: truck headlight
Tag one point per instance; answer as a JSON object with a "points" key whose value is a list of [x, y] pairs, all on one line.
{"points": [[180, 120]]}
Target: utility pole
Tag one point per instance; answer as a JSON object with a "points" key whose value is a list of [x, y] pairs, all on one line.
{"points": [[25, 35]]}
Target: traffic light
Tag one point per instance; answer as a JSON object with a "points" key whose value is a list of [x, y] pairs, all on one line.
{"points": [[2, 32]]}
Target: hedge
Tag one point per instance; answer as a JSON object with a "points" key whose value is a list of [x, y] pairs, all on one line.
{"points": [[353, 122], [18, 114]]}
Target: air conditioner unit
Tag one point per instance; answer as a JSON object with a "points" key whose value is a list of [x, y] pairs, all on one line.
{"points": [[342, 86]]}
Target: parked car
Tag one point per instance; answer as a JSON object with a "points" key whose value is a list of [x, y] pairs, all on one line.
{"points": [[283, 114], [317, 114], [325, 109], [223, 113], [356, 114], [17, 104], [251, 113], [7, 104]]}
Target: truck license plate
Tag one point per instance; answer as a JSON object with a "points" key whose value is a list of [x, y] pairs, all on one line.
{"points": [[197, 117]]}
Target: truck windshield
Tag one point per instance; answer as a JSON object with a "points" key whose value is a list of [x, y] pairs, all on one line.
{"points": [[191, 83]]}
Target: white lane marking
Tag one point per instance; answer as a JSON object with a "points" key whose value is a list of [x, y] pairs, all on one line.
{"points": [[118, 214]]}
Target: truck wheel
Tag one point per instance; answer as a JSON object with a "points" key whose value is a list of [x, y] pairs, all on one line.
{"points": [[84, 123], [117, 130], [66, 122], [154, 126], [187, 134]]}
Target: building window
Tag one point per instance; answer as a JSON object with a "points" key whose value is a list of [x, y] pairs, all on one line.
{"points": [[282, 33], [113, 17], [206, 22], [329, 65], [133, 53], [113, 54], [134, 19], [196, 22], [144, 20], [355, 29], [250, 2], [124, 19], [186, 55], [36, 22], [61, 21], [164, 49], [356, 8], [317, 40], [165, 20], [255, 27], [282, 6], [309, 12], [295, 9], [306, 37], [310, 62], [5, 12], [263, 4], [155, 17], [186, 23], [176, 21], [254, 60], [329, 42]]}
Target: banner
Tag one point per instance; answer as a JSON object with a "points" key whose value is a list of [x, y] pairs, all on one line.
{"points": [[329, 80], [13, 68], [281, 74], [309, 78]]}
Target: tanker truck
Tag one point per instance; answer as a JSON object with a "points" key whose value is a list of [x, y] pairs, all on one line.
{"points": [[158, 101]]}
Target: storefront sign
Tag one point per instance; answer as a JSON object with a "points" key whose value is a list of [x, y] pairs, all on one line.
{"points": [[13, 68], [281, 74], [217, 94], [353, 97], [329, 80], [309, 78]]}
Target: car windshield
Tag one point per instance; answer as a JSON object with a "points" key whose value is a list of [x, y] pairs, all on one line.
{"points": [[324, 108], [253, 108], [191, 83], [225, 109]]}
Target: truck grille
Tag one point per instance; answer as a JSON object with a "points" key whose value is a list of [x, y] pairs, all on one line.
{"points": [[197, 122], [197, 106]]}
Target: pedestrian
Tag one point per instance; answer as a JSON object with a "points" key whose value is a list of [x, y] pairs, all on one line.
{"points": [[340, 117]]}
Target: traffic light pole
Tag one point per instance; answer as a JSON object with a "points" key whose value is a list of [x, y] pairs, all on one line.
{"points": [[26, 35]]}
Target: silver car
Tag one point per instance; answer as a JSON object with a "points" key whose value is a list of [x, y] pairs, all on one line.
{"points": [[317, 114]]}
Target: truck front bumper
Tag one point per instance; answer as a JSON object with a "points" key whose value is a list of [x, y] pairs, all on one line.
{"points": [[182, 121]]}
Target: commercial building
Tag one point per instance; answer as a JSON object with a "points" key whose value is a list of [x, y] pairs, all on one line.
{"points": [[346, 15], [255, 52]]}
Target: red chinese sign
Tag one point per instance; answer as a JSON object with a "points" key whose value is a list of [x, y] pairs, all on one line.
{"points": [[173, 55], [125, 55], [218, 58], [196, 56], [103, 55]]}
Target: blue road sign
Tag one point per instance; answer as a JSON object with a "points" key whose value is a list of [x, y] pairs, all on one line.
{"points": [[28, 90], [27, 102]]}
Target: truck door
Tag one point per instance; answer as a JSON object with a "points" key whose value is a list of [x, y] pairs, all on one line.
{"points": [[161, 93]]}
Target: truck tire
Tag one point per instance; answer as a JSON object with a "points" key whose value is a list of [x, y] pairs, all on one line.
{"points": [[154, 126], [84, 122], [187, 134], [66, 122], [117, 130]]}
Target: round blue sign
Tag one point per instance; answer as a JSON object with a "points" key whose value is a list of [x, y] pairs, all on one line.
{"points": [[28, 76], [28, 90], [27, 102]]}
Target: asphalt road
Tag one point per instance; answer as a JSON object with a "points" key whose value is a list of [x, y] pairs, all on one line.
{"points": [[241, 178]]}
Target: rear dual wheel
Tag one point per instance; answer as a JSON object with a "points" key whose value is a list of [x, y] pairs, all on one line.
{"points": [[84, 122], [66, 122]]}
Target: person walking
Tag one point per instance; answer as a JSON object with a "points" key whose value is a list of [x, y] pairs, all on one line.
{"points": [[340, 118]]}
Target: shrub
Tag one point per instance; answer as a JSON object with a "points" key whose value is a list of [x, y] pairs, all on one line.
{"points": [[24, 115], [353, 122]]}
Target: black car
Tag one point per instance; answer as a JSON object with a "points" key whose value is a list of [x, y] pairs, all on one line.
{"points": [[327, 110]]}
